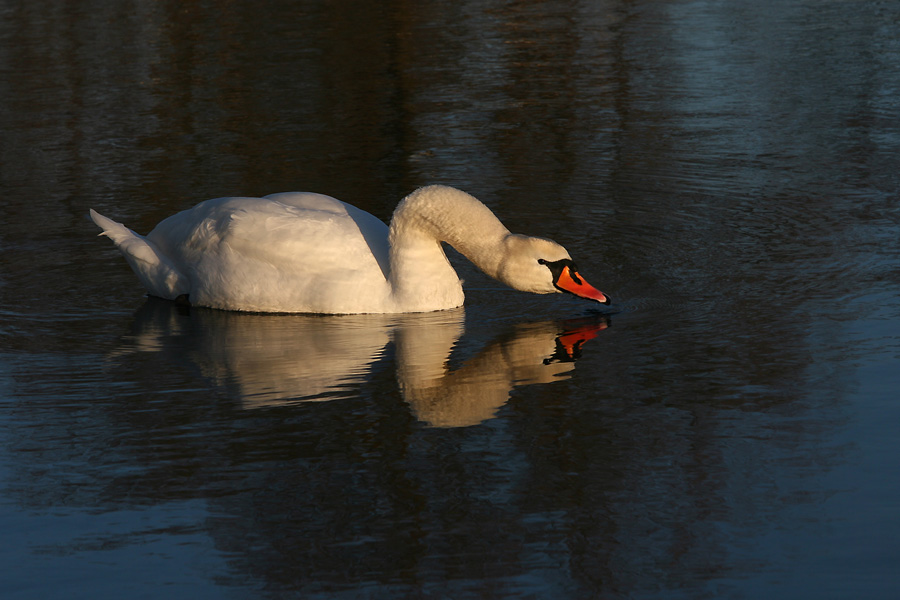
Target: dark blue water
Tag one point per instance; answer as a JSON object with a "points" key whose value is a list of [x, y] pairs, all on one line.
{"points": [[727, 171]]}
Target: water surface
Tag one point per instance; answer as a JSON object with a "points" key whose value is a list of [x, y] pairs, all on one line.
{"points": [[726, 171]]}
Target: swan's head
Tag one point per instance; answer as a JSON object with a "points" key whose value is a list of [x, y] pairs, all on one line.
{"points": [[542, 266]]}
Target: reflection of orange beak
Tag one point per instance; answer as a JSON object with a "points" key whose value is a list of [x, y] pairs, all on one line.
{"points": [[570, 281], [572, 341], [569, 343]]}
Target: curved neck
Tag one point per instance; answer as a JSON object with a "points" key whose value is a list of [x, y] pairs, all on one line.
{"points": [[420, 271]]}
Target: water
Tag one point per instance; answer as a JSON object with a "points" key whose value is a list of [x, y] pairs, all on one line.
{"points": [[726, 171]]}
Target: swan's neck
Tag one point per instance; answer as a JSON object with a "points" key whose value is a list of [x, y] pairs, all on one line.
{"points": [[421, 276]]}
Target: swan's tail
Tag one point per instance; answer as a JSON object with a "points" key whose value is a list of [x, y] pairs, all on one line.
{"points": [[155, 270]]}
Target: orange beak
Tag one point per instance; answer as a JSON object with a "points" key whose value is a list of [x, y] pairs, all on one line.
{"points": [[570, 281]]}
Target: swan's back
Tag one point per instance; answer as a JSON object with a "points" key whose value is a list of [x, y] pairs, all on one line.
{"points": [[290, 252]]}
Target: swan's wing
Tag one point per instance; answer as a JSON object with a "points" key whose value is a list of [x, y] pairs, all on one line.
{"points": [[372, 229], [320, 236], [309, 255]]}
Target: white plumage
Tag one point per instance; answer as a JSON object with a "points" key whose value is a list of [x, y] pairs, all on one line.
{"points": [[310, 253]]}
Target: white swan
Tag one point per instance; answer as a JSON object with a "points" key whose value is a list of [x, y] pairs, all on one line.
{"points": [[310, 253]]}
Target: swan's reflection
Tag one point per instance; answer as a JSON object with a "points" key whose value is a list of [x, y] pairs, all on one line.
{"points": [[277, 359]]}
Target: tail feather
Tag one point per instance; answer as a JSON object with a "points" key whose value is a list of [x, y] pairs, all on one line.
{"points": [[156, 271]]}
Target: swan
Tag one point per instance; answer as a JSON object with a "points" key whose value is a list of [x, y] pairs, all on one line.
{"points": [[302, 252]]}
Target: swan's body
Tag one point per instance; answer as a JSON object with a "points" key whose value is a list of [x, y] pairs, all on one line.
{"points": [[310, 253]]}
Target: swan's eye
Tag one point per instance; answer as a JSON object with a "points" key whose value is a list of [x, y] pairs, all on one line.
{"points": [[558, 266]]}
